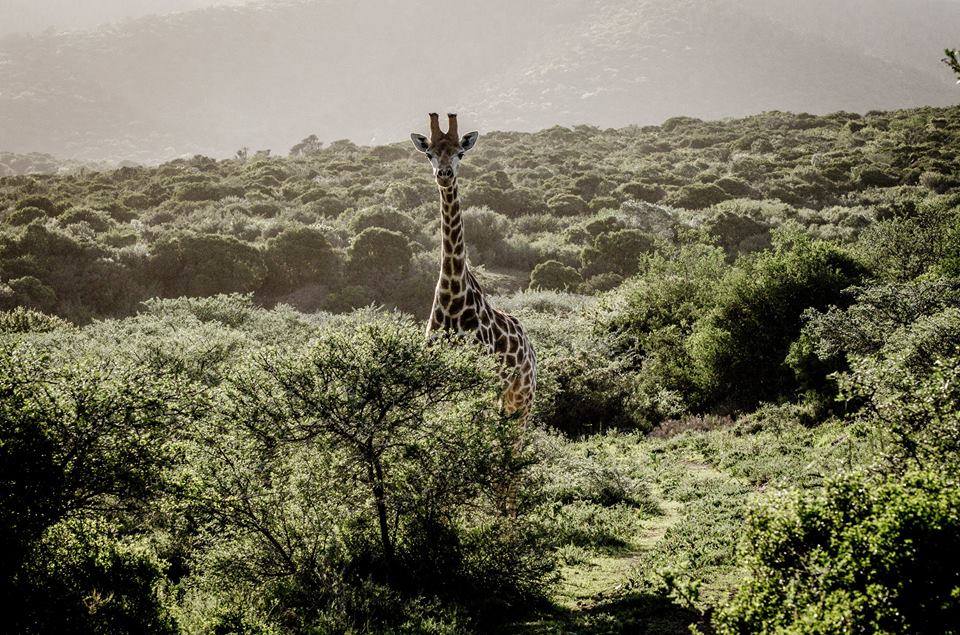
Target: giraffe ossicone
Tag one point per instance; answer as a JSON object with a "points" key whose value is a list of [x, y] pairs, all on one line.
{"points": [[459, 304]]}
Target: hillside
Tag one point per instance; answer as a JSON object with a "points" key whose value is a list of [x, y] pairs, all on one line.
{"points": [[265, 75], [28, 16]]}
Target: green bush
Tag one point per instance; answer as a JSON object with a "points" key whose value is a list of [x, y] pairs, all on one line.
{"points": [[376, 252], [616, 252], [80, 580], [28, 292], [300, 256], [582, 387], [697, 196], [738, 233], [647, 192], [41, 202], [938, 182], [385, 217], [86, 438], [25, 216], [739, 349], [649, 320], [201, 264], [204, 191], [896, 351], [23, 320], [872, 176], [582, 391], [554, 276], [735, 187], [75, 275], [916, 239], [485, 233], [567, 205], [858, 557], [99, 221]]}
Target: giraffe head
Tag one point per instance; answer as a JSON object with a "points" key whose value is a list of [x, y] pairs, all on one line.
{"points": [[444, 149]]}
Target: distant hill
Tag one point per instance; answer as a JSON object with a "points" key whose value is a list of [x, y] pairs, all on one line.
{"points": [[13, 164], [268, 74], [35, 16]]}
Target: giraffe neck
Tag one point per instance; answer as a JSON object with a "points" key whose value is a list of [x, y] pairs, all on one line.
{"points": [[453, 250]]}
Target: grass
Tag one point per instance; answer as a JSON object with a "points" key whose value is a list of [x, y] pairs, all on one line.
{"points": [[650, 524]]}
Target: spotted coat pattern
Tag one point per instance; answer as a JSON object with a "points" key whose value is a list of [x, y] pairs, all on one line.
{"points": [[459, 304]]}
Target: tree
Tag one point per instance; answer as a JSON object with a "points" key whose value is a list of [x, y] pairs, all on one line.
{"points": [[697, 196], [913, 241], [371, 458], [23, 320], [616, 252], [307, 146], [375, 392], [28, 292], [953, 61], [86, 441], [25, 215]]}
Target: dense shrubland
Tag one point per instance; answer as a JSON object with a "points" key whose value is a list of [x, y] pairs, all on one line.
{"points": [[748, 337], [212, 466], [340, 226]]}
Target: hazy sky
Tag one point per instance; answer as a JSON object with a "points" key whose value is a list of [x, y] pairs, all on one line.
{"points": [[34, 16], [222, 74]]}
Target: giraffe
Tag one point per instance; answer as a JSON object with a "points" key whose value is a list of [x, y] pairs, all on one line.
{"points": [[459, 304]]}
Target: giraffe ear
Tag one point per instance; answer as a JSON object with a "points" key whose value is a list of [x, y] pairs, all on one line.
{"points": [[420, 141], [469, 140]]}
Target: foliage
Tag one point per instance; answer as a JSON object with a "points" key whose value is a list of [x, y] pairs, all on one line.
{"points": [[101, 242], [21, 320], [897, 353], [651, 317], [377, 252], [554, 276], [80, 579], [582, 387], [952, 61], [367, 464], [204, 464], [740, 347], [616, 252], [300, 256], [200, 265], [88, 440], [858, 557], [915, 239]]}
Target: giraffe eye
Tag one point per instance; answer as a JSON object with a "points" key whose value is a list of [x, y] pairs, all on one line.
{"points": [[460, 155], [430, 156]]}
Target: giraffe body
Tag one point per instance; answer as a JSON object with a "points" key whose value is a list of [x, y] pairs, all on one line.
{"points": [[459, 304]]}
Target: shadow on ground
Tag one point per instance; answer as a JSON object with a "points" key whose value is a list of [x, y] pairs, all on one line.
{"points": [[631, 613]]}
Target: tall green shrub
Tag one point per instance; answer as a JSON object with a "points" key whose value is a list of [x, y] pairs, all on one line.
{"points": [[739, 349], [858, 557]]}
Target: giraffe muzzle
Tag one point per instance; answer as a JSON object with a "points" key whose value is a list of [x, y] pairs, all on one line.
{"points": [[445, 173]]}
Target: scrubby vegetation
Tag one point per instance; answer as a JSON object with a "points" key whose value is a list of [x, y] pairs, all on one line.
{"points": [[747, 419], [341, 226]]}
